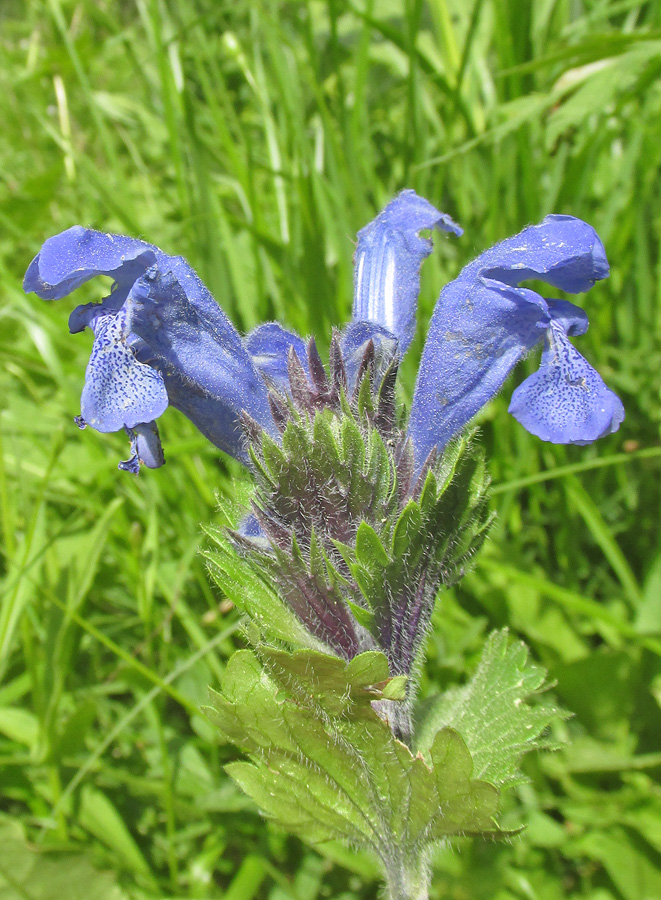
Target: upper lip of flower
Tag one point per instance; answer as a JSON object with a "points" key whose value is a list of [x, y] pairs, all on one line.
{"points": [[161, 338]]}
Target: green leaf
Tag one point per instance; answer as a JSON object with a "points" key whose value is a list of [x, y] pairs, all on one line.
{"points": [[469, 805], [365, 398], [396, 688], [273, 457], [71, 738], [492, 712], [327, 683], [324, 764], [353, 445], [407, 530], [247, 880], [249, 592], [100, 817], [630, 863], [369, 549], [364, 617], [19, 725]]}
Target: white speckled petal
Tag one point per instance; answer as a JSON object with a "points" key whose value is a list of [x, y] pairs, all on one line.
{"points": [[119, 391], [566, 400]]}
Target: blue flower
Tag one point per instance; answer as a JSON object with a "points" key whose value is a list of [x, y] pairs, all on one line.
{"points": [[484, 323], [161, 339]]}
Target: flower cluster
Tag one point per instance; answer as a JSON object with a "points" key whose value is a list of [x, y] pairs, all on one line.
{"points": [[358, 518], [161, 339]]}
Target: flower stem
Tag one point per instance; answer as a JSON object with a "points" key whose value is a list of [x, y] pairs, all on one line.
{"points": [[406, 879]]}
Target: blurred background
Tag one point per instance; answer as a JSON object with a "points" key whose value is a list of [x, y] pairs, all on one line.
{"points": [[256, 138]]}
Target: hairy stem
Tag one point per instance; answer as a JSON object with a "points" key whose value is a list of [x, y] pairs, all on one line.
{"points": [[398, 715], [406, 878]]}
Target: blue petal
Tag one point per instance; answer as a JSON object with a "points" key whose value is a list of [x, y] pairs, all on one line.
{"points": [[72, 257], [159, 323], [217, 418], [566, 401], [145, 449], [119, 391], [208, 372], [478, 332], [211, 316], [84, 316], [387, 264], [268, 347], [148, 445], [572, 319], [563, 251]]}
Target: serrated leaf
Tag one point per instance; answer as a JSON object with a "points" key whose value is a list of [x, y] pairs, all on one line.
{"points": [[278, 806], [366, 669], [247, 713], [327, 683], [324, 765], [492, 712], [470, 805]]}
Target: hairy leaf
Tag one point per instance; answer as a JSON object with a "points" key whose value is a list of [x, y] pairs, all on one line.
{"points": [[493, 712], [240, 582], [325, 765]]}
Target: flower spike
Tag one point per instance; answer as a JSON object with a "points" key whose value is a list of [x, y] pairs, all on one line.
{"points": [[161, 339]]}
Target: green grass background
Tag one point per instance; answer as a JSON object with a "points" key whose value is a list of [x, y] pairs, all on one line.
{"points": [[256, 138]]}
